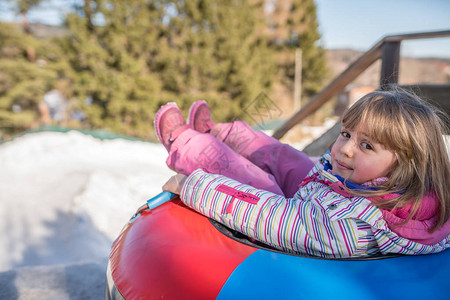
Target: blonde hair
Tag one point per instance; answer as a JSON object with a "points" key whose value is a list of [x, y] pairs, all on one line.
{"points": [[413, 130]]}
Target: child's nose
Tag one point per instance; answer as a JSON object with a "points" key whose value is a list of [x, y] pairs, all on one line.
{"points": [[347, 148]]}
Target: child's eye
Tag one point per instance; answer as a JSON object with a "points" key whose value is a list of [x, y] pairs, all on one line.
{"points": [[366, 146], [345, 134]]}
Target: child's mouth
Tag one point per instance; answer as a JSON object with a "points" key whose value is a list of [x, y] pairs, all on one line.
{"points": [[343, 166]]}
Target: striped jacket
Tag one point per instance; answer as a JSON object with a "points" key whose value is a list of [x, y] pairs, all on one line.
{"points": [[322, 218]]}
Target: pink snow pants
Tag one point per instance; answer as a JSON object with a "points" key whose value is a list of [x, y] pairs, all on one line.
{"points": [[238, 152]]}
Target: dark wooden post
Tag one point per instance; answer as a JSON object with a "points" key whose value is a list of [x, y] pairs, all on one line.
{"points": [[390, 63]]}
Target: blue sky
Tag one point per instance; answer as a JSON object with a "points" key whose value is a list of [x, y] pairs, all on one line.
{"points": [[359, 24], [356, 24]]}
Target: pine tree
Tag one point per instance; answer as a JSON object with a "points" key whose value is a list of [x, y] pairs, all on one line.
{"points": [[244, 59], [23, 83], [23, 7], [123, 59], [146, 53], [111, 78], [293, 24], [219, 54]]}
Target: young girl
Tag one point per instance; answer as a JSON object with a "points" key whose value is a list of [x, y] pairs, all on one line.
{"points": [[384, 188]]}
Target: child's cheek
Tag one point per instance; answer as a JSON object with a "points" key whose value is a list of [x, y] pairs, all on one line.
{"points": [[333, 152]]}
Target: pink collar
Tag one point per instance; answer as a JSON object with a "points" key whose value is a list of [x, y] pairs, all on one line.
{"points": [[416, 229]]}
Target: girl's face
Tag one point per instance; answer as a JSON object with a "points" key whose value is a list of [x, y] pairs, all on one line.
{"points": [[357, 158]]}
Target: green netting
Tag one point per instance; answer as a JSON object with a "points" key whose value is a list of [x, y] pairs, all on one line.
{"points": [[269, 124]]}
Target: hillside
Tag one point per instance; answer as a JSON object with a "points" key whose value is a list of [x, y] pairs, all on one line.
{"points": [[412, 70]]}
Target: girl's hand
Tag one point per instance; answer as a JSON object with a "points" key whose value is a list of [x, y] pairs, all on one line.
{"points": [[175, 184]]}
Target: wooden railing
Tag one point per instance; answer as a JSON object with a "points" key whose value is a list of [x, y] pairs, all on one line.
{"points": [[387, 49]]}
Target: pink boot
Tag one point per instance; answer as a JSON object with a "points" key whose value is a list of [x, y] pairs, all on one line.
{"points": [[200, 117], [169, 124]]}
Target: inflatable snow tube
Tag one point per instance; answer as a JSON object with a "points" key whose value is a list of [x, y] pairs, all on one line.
{"points": [[169, 251]]}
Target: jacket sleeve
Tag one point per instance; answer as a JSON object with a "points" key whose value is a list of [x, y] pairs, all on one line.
{"points": [[292, 225]]}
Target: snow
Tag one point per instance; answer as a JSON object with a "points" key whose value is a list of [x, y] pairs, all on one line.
{"points": [[64, 199]]}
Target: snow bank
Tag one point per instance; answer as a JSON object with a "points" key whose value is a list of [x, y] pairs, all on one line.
{"points": [[64, 198]]}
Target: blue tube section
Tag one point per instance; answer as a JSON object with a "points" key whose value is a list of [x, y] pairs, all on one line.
{"points": [[270, 275], [160, 199]]}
